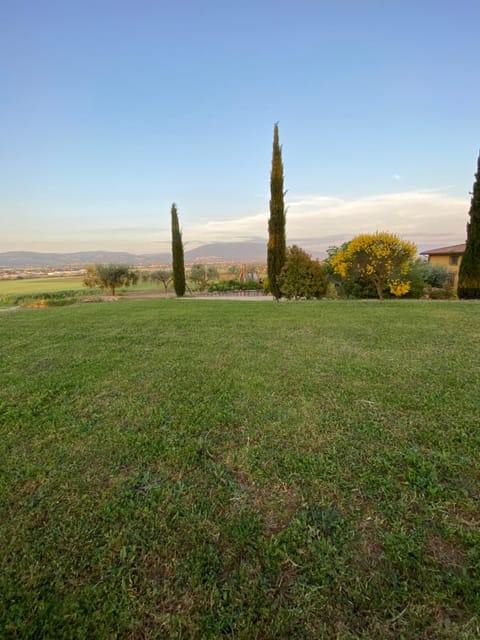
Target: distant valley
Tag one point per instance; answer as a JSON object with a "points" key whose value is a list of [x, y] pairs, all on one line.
{"points": [[209, 253]]}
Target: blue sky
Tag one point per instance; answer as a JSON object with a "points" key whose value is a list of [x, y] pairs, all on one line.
{"points": [[111, 110]]}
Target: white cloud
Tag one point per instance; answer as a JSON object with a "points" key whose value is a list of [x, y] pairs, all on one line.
{"points": [[427, 218]]}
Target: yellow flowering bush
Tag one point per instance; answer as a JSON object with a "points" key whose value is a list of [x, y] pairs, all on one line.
{"points": [[398, 288], [381, 257]]}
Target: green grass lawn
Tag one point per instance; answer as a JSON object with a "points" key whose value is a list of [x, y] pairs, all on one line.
{"points": [[212, 469]]}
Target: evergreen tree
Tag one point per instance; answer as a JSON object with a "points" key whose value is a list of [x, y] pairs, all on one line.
{"points": [[469, 273], [178, 263], [277, 248]]}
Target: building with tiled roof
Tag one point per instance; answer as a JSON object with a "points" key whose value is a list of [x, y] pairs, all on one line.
{"points": [[450, 257]]}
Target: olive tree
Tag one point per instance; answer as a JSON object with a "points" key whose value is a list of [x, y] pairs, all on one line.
{"points": [[165, 276], [201, 274], [110, 276]]}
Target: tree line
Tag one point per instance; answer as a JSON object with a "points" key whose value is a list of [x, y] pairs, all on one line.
{"points": [[301, 277], [379, 264]]}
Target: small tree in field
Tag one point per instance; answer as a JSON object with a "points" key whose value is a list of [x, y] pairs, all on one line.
{"points": [[469, 272], [234, 270], [200, 274], [382, 258], [301, 276], [110, 276], [165, 276], [178, 262], [212, 272]]}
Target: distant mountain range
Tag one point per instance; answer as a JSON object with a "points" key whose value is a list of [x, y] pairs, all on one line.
{"points": [[216, 252]]}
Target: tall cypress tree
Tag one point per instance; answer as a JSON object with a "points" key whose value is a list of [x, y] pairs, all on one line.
{"points": [[469, 273], [178, 263], [277, 247]]}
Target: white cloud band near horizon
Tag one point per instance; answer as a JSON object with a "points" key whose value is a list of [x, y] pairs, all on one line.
{"points": [[316, 222], [427, 217]]}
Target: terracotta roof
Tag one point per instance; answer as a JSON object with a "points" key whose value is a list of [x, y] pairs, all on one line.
{"points": [[446, 251]]}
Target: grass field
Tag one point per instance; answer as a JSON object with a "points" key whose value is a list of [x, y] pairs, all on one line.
{"points": [[40, 285], [196, 469], [64, 283], [29, 290]]}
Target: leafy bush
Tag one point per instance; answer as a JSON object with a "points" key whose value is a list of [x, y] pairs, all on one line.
{"points": [[417, 277], [201, 274], [443, 293], [424, 277], [224, 286], [60, 302], [331, 291], [266, 286], [251, 284], [436, 275], [50, 298], [301, 276]]}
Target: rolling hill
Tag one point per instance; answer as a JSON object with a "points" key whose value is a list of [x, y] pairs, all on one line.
{"points": [[216, 252]]}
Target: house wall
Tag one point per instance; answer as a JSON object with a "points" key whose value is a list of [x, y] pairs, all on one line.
{"points": [[445, 262]]}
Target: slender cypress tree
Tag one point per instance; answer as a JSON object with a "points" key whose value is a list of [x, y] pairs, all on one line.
{"points": [[277, 247], [469, 273], [178, 264]]}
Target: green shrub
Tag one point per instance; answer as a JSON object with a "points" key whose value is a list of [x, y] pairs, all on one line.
{"points": [[444, 293], [60, 302], [301, 276], [331, 291], [224, 286], [266, 286], [49, 298]]}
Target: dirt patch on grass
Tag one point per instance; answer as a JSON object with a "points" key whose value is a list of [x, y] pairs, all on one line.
{"points": [[276, 503], [278, 507], [447, 553], [146, 295], [9, 309]]}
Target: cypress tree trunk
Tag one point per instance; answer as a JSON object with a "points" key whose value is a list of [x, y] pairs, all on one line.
{"points": [[469, 273], [277, 247], [178, 264]]}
